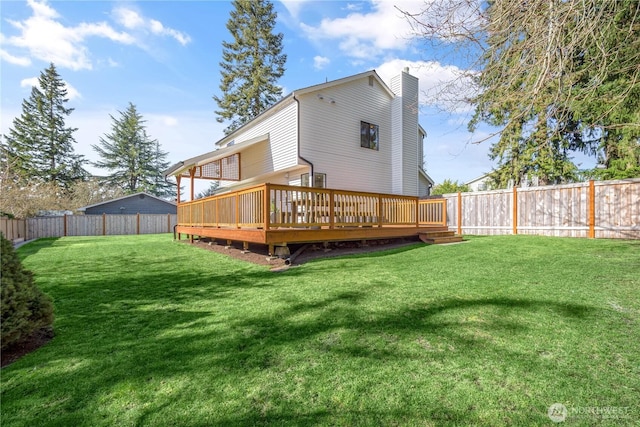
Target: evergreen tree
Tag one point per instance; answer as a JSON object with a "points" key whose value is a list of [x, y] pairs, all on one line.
{"points": [[134, 160], [555, 76], [252, 63], [39, 147], [24, 308]]}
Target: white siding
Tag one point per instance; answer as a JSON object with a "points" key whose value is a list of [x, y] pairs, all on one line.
{"points": [[423, 186], [396, 139], [405, 122], [280, 152], [330, 135]]}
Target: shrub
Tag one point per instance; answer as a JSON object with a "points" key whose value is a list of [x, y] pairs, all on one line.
{"points": [[24, 308]]}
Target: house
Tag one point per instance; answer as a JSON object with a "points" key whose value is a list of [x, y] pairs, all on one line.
{"points": [[139, 203], [355, 133], [342, 160], [480, 183]]}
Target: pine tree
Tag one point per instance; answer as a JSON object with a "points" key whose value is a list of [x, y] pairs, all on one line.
{"points": [[134, 160], [555, 76], [39, 147], [252, 63]]}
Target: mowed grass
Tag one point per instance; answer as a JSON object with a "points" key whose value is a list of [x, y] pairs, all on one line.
{"points": [[491, 332]]}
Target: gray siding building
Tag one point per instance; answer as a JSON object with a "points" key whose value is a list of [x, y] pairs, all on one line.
{"points": [[139, 203]]}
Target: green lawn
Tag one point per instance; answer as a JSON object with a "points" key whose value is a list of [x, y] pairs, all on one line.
{"points": [[490, 332]]}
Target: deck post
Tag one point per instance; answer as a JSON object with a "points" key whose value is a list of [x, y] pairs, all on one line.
{"points": [[379, 210], [417, 211], [237, 210], [444, 213], [192, 175], [245, 247], [332, 214], [178, 178], [267, 207]]}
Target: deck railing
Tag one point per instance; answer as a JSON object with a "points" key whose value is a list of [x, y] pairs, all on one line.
{"points": [[275, 206]]}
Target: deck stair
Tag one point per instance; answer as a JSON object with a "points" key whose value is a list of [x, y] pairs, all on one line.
{"points": [[436, 237]]}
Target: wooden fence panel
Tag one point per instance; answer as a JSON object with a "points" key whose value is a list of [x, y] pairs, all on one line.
{"points": [[120, 225], [554, 211], [617, 209], [98, 225], [84, 225], [561, 210], [153, 224], [45, 227], [13, 229]]}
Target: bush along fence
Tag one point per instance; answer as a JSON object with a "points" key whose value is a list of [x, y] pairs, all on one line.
{"points": [[99, 225], [594, 209]]}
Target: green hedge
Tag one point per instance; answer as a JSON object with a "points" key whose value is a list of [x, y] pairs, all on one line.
{"points": [[24, 308]]}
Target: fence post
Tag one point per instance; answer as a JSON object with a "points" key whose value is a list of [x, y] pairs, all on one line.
{"points": [[169, 223], [459, 213], [104, 224], [65, 225], [515, 210], [592, 210], [138, 223]]}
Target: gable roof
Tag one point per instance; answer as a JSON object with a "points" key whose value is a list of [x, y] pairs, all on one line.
{"points": [[308, 89], [345, 80], [84, 208]]}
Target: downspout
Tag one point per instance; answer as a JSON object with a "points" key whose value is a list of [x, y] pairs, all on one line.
{"points": [[299, 156]]}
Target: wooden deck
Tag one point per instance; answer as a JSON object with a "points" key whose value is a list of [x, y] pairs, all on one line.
{"points": [[276, 215]]}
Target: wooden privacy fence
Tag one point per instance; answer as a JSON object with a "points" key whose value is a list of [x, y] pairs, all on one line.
{"points": [[594, 209], [99, 225], [13, 229]]}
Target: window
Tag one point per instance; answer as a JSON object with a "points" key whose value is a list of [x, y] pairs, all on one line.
{"points": [[319, 180], [368, 135]]}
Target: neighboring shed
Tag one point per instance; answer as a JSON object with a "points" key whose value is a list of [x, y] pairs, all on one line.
{"points": [[142, 203]]}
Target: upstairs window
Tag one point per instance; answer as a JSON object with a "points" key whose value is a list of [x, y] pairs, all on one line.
{"points": [[369, 135]]}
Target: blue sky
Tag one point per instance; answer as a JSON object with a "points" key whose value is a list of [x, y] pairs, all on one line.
{"points": [[163, 57]]}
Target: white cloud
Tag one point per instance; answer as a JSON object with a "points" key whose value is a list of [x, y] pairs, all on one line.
{"points": [[320, 62], [133, 20], [367, 34], [30, 82], [443, 86], [45, 36], [15, 60], [72, 92], [169, 121], [128, 18], [293, 6]]}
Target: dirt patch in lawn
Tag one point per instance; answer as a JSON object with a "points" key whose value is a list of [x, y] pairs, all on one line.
{"points": [[301, 253], [32, 343]]}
